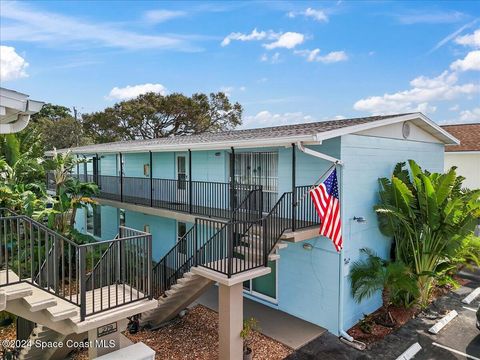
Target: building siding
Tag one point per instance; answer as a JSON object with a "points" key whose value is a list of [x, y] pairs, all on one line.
{"points": [[366, 159]]}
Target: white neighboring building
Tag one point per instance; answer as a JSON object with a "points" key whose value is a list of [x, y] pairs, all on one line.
{"points": [[15, 110], [465, 156]]}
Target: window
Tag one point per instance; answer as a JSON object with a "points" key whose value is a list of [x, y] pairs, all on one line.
{"points": [[264, 287], [181, 172], [94, 221], [259, 168]]}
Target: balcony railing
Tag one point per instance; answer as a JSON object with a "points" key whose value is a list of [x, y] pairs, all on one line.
{"points": [[96, 277], [204, 198]]}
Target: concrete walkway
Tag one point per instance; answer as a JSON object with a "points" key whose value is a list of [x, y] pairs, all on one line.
{"points": [[273, 323]]}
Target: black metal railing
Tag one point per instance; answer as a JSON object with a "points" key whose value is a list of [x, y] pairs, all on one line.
{"points": [[117, 271], [175, 263], [203, 198], [241, 244]]}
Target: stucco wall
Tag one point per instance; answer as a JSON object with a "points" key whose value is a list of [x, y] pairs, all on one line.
{"points": [[468, 166], [366, 159]]}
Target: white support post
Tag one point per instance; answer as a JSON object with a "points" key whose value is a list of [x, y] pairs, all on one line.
{"points": [[230, 324]]}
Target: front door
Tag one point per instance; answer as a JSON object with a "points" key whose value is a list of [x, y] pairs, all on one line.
{"points": [[182, 178]]}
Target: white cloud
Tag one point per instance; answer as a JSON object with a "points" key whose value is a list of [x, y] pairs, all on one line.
{"points": [[470, 115], [12, 65], [255, 35], [161, 15], [274, 59], [331, 57], [318, 15], [228, 90], [470, 62], [454, 107], [287, 40], [472, 40], [130, 92], [423, 91], [22, 22], [266, 118]]}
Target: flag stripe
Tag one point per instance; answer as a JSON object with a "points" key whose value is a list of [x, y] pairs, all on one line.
{"points": [[327, 204]]}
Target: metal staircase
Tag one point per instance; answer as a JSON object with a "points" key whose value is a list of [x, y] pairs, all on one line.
{"points": [[245, 243], [71, 288], [50, 280]]}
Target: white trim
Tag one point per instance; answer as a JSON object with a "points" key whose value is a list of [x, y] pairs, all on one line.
{"points": [[471, 152], [214, 145], [445, 136]]}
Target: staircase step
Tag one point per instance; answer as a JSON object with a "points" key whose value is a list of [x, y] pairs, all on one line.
{"points": [[17, 291], [178, 286], [170, 292], [190, 275], [62, 311], [39, 300]]}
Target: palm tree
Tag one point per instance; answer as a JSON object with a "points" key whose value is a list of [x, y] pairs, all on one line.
{"points": [[374, 274]]}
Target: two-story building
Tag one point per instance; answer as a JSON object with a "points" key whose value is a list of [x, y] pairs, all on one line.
{"points": [[168, 186]]}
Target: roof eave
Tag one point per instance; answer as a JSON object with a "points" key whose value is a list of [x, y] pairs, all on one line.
{"points": [[431, 127], [214, 145]]}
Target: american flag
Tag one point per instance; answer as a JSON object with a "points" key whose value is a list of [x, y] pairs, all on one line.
{"points": [[326, 200]]}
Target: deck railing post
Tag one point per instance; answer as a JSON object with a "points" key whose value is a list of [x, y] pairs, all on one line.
{"points": [[260, 203], [151, 179], [149, 267], [232, 181], [190, 194], [83, 290], [121, 177], [195, 243], [265, 241], [230, 239], [294, 190]]}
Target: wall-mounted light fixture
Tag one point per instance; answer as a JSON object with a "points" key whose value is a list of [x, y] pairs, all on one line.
{"points": [[218, 153], [308, 246], [359, 219]]}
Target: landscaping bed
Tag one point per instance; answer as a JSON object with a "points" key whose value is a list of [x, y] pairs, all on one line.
{"points": [[195, 336]]}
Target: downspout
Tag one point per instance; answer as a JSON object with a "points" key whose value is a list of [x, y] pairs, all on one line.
{"points": [[318, 154], [343, 334]]}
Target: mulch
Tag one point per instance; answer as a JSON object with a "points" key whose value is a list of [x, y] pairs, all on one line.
{"points": [[377, 332], [195, 336]]}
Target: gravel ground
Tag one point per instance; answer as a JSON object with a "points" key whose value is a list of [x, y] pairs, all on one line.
{"points": [[196, 337]]}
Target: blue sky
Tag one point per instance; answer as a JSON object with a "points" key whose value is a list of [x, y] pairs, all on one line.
{"points": [[285, 62]]}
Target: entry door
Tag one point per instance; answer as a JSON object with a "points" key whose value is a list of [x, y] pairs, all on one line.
{"points": [[182, 178], [182, 248]]}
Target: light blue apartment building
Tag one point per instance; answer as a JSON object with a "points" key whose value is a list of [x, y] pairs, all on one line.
{"points": [[168, 186]]}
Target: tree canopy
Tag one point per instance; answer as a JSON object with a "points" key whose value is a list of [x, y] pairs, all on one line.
{"points": [[154, 115]]}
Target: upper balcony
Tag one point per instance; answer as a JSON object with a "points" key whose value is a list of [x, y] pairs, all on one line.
{"points": [[204, 198]]}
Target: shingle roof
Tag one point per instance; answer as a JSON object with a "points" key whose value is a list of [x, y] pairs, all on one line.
{"points": [[284, 131], [468, 134]]}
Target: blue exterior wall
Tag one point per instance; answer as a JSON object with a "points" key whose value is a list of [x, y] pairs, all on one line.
{"points": [[308, 280], [366, 159], [163, 231]]}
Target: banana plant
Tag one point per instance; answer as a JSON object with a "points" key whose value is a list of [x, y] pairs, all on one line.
{"points": [[429, 216]]}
